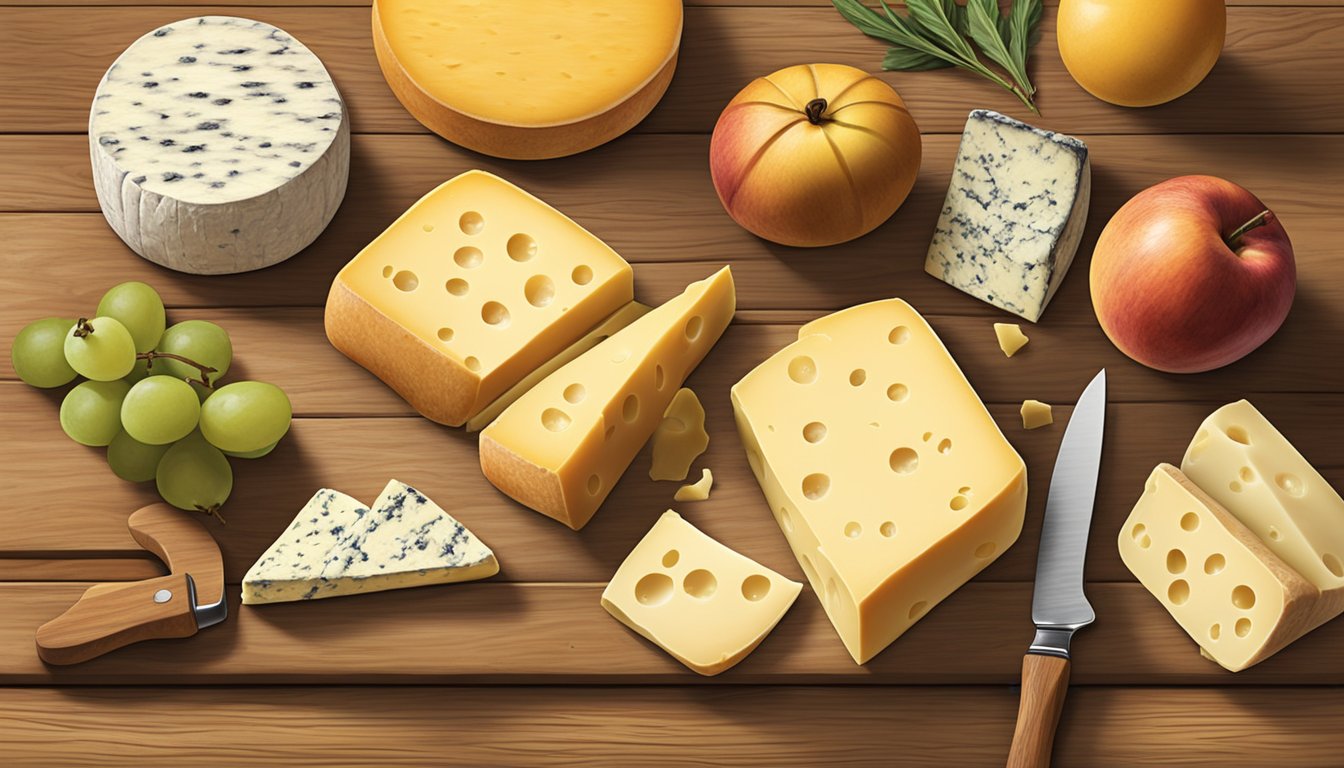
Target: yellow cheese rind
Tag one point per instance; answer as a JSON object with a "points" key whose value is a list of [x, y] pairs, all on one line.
{"points": [[549, 80], [1249, 467], [697, 491], [1036, 414], [618, 320], [890, 480], [1230, 593], [475, 286], [560, 448], [680, 438], [1011, 338], [700, 601]]}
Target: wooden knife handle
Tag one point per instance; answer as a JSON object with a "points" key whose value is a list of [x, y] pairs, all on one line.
{"points": [[1045, 681], [109, 616]]}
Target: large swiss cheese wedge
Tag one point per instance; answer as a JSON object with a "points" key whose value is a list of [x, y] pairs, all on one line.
{"points": [[474, 287], [1249, 467], [337, 546], [1226, 589], [698, 600], [890, 480], [527, 81], [560, 448], [219, 145]]}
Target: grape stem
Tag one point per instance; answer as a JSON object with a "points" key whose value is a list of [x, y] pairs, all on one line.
{"points": [[83, 328], [150, 356], [212, 512]]}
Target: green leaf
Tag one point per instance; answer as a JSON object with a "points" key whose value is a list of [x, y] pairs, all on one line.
{"points": [[1024, 26], [984, 17], [933, 20], [907, 60]]}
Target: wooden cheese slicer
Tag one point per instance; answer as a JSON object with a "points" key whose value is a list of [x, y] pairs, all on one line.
{"points": [[110, 616]]}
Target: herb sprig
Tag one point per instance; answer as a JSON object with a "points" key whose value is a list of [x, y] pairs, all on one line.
{"points": [[939, 33]]}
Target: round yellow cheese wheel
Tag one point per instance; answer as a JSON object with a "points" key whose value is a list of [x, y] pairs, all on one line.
{"points": [[528, 80]]}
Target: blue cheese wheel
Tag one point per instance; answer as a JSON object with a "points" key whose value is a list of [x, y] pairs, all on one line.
{"points": [[219, 145]]}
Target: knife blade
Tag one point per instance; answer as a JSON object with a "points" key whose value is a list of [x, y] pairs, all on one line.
{"points": [[1058, 607]]}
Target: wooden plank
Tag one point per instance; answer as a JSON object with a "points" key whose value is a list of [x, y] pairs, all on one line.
{"points": [[491, 633], [723, 48], [358, 455], [659, 727], [123, 567], [648, 223]]}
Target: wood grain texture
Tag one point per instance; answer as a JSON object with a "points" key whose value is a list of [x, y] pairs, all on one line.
{"points": [[722, 49], [1045, 684]]}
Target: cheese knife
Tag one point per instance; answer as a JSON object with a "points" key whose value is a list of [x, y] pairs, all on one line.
{"points": [[1058, 606]]}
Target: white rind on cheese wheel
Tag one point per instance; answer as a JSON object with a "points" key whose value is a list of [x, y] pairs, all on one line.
{"points": [[219, 145]]}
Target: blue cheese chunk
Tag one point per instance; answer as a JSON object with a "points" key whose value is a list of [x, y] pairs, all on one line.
{"points": [[337, 546], [1014, 213], [219, 145]]}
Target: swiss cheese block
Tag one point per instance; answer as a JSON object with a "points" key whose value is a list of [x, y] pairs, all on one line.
{"points": [[560, 448], [1234, 597], [337, 546], [474, 287], [1244, 463], [527, 82], [698, 600], [219, 145], [890, 480], [1014, 213], [697, 491], [680, 438]]}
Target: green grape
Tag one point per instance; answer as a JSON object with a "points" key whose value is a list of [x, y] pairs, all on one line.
{"points": [[104, 351], [257, 454], [198, 340], [39, 353], [245, 416], [132, 460], [160, 410], [139, 308], [138, 371], [91, 412], [194, 475]]}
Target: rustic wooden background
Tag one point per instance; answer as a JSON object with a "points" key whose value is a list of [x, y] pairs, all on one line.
{"points": [[527, 669]]}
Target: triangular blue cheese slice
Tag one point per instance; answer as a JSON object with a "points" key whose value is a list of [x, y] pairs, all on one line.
{"points": [[337, 546], [1014, 213]]}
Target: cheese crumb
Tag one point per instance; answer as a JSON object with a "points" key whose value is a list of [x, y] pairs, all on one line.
{"points": [[698, 491], [1036, 414], [1011, 337]]}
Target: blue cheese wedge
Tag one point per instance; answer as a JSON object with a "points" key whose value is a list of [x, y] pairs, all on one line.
{"points": [[1014, 213], [337, 546], [219, 145]]}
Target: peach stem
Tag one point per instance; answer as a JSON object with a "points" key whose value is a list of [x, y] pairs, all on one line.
{"points": [[814, 110]]}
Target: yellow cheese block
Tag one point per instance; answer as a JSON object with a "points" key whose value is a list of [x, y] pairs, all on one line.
{"points": [[680, 439], [697, 491], [1011, 338], [1244, 463], [890, 480], [698, 600], [474, 287], [560, 448], [532, 80], [1234, 597], [1036, 414]]}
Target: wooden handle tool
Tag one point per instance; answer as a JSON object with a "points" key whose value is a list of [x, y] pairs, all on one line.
{"points": [[1045, 681], [110, 616]]}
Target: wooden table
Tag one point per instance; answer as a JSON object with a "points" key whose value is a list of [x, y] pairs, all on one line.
{"points": [[527, 669]]}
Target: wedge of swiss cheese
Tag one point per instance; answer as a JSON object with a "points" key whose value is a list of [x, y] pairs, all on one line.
{"points": [[472, 289], [890, 480], [527, 81], [561, 447]]}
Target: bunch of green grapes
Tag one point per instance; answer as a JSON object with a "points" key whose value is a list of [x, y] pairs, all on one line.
{"points": [[152, 395]]}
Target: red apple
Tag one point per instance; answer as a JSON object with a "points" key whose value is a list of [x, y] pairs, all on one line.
{"points": [[1192, 274]]}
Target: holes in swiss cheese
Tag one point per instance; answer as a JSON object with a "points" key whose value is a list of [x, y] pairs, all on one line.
{"points": [[814, 432], [918, 609], [1333, 565], [755, 587], [471, 223], [445, 334], [658, 377], [816, 485], [984, 551], [1290, 484], [406, 280], [832, 592], [594, 485], [575, 393], [1238, 434], [853, 530], [654, 589], [496, 314], [897, 392], [468, 257], [887, 529], [803, 369], [958, 502], [521, 247], [693, 327], [1247, 475], [1175, 561], [1234, 486], [1189, 521], [700, 583], [1215, 632], [1140, 535], [457, 286], [1243, 597], [944, 445], [857, 377], [555, 419], [539, 290], [1215, 564], [1243, 627], [387, 271], [473, 364], [903, 461], [785, 520], [1178, 592], [899, 335], [630, 408], [1274, 534], [582, 275], [808, 569], [670, 558]]}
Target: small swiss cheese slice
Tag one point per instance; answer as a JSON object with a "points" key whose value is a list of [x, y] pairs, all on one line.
{"points": [[561, 447], [698, 600], [337, 546], [1238, 600], [890, 480], [473, 288], [680, 438]]}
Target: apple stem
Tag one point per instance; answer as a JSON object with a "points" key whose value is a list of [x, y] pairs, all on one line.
{"points": [[83, 328], [1259, 220], [814, 110]]}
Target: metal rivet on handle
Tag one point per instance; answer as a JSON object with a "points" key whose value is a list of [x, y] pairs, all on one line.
{"points": [[163, 595]]}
